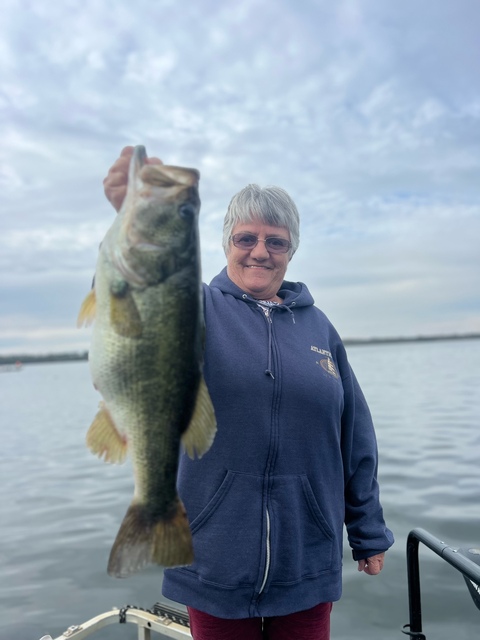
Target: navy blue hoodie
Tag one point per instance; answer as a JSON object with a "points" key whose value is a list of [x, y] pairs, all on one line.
{"points": [[294, 458]]}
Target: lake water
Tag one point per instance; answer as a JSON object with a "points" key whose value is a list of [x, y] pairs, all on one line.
{"points": [[61, 507]]}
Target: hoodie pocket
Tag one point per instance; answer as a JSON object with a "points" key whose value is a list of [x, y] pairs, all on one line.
{"points": [[227, 533], [302, 541]]}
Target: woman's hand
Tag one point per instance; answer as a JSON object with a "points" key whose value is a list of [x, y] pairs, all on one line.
{"points": [[115, 184], [372, 565]]}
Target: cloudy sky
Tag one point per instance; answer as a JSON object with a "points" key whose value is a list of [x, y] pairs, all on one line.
{"points": [[366, 111]]}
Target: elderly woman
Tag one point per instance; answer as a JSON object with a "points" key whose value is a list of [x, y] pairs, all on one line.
{"points": [[295, 456]]}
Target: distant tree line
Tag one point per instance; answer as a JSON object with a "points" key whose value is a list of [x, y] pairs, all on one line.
{"points": [[390, 340], [83, 355], [24, 358]]}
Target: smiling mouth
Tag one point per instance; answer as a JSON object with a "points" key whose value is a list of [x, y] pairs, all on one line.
{"points": [[257, 266]]}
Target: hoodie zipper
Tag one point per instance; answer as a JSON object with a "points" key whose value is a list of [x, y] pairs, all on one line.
{"points": [[268, 312], [267, 560]]}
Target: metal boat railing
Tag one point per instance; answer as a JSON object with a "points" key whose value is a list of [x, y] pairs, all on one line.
{"points": [[466, 561], [160, 619], [172, 623]]}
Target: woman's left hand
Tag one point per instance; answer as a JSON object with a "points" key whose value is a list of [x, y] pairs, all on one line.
{"points": [[372, 565]]}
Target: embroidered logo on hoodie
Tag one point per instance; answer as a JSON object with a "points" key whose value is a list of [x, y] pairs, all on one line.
{"points": [[329, 367], [327, 363]]}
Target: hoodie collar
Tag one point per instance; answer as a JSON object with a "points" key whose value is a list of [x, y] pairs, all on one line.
{"points": [[293, 294]]}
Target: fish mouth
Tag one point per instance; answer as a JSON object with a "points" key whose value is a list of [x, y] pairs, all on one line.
{"points": [[169, 176], [137, 162], [149, 185], [159, 175]]}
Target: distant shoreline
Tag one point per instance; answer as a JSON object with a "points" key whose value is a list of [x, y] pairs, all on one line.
{"points": [[25, 358], [32, 358], [393, 339]]}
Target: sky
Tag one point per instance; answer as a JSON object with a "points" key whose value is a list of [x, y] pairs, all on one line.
{"points": [[367, 112]]}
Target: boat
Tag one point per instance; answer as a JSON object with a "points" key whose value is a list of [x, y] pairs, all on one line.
{"points": [[169, 622]]}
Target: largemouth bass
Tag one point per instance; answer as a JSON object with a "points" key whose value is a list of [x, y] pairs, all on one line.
{"points": [[146, 358]]}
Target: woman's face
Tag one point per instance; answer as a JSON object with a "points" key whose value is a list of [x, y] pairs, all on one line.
{"points": [[256, 271]]}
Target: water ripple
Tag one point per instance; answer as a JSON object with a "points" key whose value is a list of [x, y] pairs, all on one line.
{"points": [[63, 507]]}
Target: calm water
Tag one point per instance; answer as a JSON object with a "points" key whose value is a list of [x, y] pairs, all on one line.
{"points": [[61, 507]]}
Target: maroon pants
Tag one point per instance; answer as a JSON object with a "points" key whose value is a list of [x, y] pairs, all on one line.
{"points": [[312, 624]]}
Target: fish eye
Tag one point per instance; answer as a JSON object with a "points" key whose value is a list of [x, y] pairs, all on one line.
{"points": [[186, 211]]}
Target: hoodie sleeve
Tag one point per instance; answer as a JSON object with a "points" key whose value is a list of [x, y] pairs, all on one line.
{"points": [[367, 532]]}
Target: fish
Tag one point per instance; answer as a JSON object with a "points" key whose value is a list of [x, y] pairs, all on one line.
{"points": [[146, 358]]}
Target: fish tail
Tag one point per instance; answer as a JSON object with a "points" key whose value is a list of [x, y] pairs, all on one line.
{"points": [[145, 539]]}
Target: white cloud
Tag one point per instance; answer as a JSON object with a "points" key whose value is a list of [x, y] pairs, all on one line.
{"points": [[146, 67], [367, 116]]}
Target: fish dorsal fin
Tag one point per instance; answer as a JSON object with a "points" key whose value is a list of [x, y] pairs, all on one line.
{"points": [[88, 309], [199, 436]]}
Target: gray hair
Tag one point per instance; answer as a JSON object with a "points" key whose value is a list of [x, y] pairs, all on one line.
{"points": [[269, 205]]}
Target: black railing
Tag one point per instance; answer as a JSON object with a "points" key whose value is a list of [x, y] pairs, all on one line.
{"points": [[467, 561]]}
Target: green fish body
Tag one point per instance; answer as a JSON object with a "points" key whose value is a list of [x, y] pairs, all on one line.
{"points": [[146, 358]]}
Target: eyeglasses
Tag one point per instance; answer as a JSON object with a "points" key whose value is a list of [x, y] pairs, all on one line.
{"points": [[248, 241]]}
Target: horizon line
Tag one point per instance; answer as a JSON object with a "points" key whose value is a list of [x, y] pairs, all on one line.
{"points": [[55, 356]]}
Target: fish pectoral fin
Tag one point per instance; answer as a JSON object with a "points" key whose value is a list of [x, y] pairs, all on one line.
{"points": [[199, 436], [104, 440], [144, 539], [124, 315], [86, 315]]}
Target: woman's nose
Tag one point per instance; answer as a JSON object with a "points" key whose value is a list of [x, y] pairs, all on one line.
{"points": [[259, 251]]}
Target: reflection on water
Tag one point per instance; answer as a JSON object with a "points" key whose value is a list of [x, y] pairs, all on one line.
{"points": [[61, 507]]}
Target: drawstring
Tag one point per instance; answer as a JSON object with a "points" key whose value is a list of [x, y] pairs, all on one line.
{"points": [[284, 306]]}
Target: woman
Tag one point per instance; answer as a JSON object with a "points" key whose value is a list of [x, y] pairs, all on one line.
{"points": [[295, 453]]}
